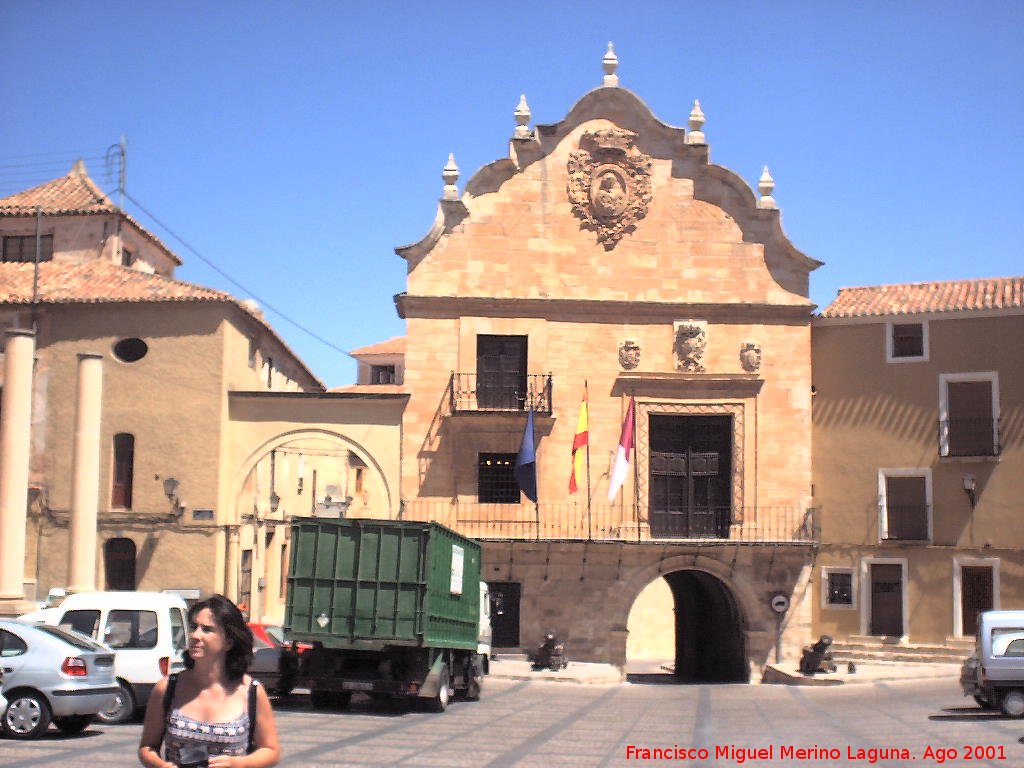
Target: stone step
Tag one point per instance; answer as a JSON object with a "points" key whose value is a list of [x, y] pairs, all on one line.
{"points": [[878, 649], [904, 655]]}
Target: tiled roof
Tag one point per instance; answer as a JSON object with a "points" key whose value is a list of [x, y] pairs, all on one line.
{"points": [[93, 282], [74, 194], [918, 298], [371, 389], [98, 282], [393, 346]]}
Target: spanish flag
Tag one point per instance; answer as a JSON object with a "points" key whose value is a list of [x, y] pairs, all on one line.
{"points": [[578, 444]]}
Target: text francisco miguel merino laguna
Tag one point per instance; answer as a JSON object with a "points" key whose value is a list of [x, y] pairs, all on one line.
{"points": [[736, 754]]}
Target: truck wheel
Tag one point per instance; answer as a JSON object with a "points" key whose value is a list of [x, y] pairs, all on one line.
{"points": [[1013, 703], [444, 694], [473, 687], [982, 701], [329, 699]]}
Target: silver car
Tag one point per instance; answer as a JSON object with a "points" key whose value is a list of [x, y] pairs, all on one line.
{"points": [[52, 674]]}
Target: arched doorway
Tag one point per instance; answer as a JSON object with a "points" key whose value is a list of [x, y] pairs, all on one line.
{"points": [[710, 645], [689, 618], [119, 564]]}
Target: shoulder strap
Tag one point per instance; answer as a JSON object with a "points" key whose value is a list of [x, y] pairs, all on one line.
{"points": [[252, 715], [172, 681]]}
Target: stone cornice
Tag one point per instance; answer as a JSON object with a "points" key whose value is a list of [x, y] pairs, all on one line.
{"points": [[654, 383], [584, 310]]}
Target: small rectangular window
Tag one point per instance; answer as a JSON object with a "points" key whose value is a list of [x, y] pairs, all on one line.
{"points": [[971, 428], [127, 257], [23, 248], [908, 340], [839, 588], [496, 480], [124, 470], [382, 374]]}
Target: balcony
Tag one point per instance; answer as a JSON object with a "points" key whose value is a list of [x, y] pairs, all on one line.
{"points": [[969, 437], [513, 393], [572, 522]]}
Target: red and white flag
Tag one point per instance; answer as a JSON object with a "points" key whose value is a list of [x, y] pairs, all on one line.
{"points": [[579, 445], [621, 468]]}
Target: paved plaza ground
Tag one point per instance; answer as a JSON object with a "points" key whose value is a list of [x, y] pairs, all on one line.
{"points": [[545, 724]]}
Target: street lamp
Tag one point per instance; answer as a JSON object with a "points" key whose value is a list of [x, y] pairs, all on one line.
{"points": [[970, 486]]}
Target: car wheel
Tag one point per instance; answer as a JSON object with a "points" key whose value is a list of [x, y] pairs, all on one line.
{"points": [[1013, 703], [27, 715], [121, 708], [72, 724]]}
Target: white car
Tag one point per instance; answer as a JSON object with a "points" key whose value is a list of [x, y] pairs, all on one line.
{"points": [[146, 630]]}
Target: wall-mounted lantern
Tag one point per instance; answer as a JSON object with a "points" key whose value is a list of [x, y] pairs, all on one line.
{"points": [[970, 486]]}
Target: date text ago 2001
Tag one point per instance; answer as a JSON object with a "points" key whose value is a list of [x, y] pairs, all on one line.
{"points": [[732, 753]]}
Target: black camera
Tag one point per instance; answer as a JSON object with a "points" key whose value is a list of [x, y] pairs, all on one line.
{"points": [[193, 756]]}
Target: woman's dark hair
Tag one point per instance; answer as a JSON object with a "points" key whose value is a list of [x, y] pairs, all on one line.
{"points": [[230, 619]]}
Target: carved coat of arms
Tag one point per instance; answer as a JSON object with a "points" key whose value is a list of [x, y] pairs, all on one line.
{"points": [[609, 183], [691, 339], [750, 357], [629, 355]]}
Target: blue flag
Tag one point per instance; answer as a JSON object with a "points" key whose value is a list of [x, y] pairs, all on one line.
{"points": [[526, 462]]}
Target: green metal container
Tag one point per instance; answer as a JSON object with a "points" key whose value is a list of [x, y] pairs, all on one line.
{"points": [[367, 584]]}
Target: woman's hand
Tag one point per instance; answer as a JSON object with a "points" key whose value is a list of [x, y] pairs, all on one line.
{"points": [[224, 761]]}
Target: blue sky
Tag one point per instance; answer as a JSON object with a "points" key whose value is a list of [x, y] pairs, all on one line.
{"points": [[296, 144]]}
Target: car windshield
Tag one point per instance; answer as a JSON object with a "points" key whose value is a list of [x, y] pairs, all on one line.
{"points": [[80, 641]]}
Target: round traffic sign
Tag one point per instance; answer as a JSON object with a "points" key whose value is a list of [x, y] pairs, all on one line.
{"points": [[780, 602]]}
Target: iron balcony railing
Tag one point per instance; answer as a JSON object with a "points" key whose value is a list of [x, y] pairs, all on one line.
{"points": [[969, 437], [500, 393], [573, 522], [905, 522]]}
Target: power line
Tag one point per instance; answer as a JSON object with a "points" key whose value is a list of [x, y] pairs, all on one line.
{"points": [[232, 280]]}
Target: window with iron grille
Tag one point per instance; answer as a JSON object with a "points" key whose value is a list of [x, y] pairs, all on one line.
{"points": [[907, 340], [905, 507], [496, 480], [23, 248], [970, 406], [839, 588]]}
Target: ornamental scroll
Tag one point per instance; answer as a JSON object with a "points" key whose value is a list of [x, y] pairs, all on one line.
{"points": [[609, 184]]}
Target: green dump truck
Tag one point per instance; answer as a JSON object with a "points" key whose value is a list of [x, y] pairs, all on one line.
{"points": [[393, 609]]}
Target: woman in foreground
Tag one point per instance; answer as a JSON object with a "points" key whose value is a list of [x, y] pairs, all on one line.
{"points": [[212, 714]]}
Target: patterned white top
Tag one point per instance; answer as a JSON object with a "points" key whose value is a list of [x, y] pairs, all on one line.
{"points": [[230, 738]]}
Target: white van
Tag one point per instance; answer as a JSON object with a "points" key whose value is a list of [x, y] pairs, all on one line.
{"points": [[146, 630]]}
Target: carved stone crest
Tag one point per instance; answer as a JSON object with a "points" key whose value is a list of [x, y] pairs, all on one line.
{"points": [[609, 183], [691, 338], [750, 357], [629, 354]]}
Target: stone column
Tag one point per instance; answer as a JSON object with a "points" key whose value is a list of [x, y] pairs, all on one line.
{"points": [[15, 448], [85, 475]]}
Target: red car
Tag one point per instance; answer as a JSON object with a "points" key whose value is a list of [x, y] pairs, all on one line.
{"points": [[273, 635]]}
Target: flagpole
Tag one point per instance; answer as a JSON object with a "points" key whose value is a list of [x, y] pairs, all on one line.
{"points": [[636, 468], [586, 399]]}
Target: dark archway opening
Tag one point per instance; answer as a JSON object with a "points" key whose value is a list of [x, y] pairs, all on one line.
{"points": [[710, 645]]}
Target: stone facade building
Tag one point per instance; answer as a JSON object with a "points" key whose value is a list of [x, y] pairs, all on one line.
{"points": [[169, 432], [919, 460], [607, 255]]}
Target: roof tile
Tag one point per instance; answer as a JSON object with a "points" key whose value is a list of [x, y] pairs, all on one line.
{"points": [[918, 298]]}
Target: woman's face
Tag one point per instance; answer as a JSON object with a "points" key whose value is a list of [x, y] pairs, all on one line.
{"points": [[206, 638]]}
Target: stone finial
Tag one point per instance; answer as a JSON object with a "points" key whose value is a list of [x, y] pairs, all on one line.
{"points": [[696, 134], [79, 167], [522, 115], [450, 174], [765, 185], [611, 63]]}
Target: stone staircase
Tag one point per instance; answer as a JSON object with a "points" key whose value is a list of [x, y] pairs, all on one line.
{"points": [[871, 649]]}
